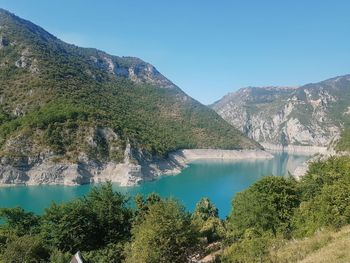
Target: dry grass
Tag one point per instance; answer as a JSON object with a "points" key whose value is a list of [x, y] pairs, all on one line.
{"points": [[324, 247], [338, 250]]}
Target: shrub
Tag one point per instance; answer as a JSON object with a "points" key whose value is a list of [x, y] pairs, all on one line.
{"points": [[165, 235], [330, 208], [26, 249], [267, 205], [205, 219]]}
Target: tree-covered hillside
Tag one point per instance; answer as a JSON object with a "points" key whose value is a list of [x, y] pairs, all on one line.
{"points": [[58, 99]]}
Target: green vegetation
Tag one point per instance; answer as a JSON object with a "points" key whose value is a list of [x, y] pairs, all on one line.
{"points": [[105, 229], [164, 235], [99, 224], [272, 200], [275, 220], [344, 142], [274, 211], [205, 219], [323, 247], [56, 96]]}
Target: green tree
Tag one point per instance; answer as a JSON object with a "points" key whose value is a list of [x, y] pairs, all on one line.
{"points": [[142, 205], [26, 249], [322, 173], [330, 208], [70, 227], [19, 221], [206, 220], [267, 205], [89, 223], [165, 235], [112, 214], [205, 209]]}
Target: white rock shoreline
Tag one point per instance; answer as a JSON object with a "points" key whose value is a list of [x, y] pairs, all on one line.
{"points": [[296, 149], [196, 154], [125, 174], [130, 173]]}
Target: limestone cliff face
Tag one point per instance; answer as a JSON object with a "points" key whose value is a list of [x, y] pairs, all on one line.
{"points": [[47, 167], [132, 68], [308, 115]]}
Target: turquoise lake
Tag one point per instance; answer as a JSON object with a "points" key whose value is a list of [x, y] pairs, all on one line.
{"points": [[218, 180]]}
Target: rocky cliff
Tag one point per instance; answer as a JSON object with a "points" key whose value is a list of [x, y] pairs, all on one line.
{"points": [[310, 115]]}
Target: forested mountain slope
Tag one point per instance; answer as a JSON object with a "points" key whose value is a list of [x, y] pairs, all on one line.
{"points": [[60, 103]]}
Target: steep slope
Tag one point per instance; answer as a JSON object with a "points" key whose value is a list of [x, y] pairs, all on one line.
{"points": [[314, 114], [61, 104]]}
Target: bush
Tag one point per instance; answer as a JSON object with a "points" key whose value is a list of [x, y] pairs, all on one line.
{"points": [[267, 205], [26, 249], [330, 208], [112, 253], [322, 173], [88, 223], [253, 247], [165, 235], [58, 256], [205, 219], [20, 222]]}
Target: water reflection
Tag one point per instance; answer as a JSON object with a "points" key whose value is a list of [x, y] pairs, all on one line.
{"points": [[218, 180]]}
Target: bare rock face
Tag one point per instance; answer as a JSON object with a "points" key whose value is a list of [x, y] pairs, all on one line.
{"points": [[306, 115], [46, 167], [49, 172], [12, 175], [132, 68]]}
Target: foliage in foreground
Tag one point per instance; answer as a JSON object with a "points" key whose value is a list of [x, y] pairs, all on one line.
{"points": [[271, 200], [269, 220], [275, 210], [165, 235], [344, 142]]}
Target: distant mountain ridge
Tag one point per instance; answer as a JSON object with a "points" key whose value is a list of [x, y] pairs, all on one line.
{"points": [[69, 112], [314, 114]]}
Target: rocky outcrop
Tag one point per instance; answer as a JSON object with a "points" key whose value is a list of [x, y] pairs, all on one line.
{"points": [[310, 115], [132, 68], [49, 171]]}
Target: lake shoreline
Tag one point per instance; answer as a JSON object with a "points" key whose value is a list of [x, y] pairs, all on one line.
{"points": [[217, 179], [126, 173], [315, 153], [180, 159]]}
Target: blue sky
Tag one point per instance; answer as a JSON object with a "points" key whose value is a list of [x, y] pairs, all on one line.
{"points": [[208, 48]]}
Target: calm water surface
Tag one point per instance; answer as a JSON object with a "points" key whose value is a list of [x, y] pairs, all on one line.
{"points": [[218, 180]]}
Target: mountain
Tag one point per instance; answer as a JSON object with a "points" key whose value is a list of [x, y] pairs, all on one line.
{"points": [[315, 114], [67, 111]]}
